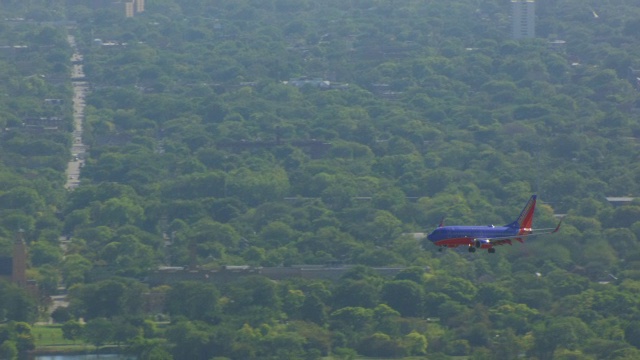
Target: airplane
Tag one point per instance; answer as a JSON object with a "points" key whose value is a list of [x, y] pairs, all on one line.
{"points": [[486, 237]]}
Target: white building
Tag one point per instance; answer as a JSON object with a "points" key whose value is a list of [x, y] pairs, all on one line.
{"points": [[523, 19]]}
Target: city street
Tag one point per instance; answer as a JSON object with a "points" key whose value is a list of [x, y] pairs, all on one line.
{"points": [[80, 89]]}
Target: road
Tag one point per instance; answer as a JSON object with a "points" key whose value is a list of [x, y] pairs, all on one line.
{"points": [[80, 90], [78, 149]]}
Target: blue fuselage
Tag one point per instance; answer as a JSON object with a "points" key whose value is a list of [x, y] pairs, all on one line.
{"points": [[465, 235]]}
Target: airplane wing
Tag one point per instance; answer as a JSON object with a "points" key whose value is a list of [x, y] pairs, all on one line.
{"points": [[503, 240]]}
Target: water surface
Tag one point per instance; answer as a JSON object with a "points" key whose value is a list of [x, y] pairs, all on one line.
{"points": [[84, 357]]}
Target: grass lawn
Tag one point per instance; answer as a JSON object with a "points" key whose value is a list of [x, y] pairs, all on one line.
{"points": [[51, 335], [49, 340]]}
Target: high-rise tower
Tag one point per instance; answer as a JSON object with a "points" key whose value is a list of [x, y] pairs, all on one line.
{"points": [[13, 268], [523, 19], [19, 266], [129, 9]]}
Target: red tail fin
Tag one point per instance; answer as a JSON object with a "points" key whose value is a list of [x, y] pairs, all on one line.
{"points": [[525, 221]]}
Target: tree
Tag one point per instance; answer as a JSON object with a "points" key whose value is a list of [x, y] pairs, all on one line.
{"points": [[48, 278], [513, 316], [257, 187], [404, 296], [361, 293], [380, 344], [119, 212], [632, 334], [23, 337], [148, 349], [72, 330], [16, 304], [491, 293], [565, 332], [125, 330], [22, 198], [285, 345], [8, 350], [625, 216], [277, 234], [98, 331], [61, 315], [314, 310], [194, 300], [128, 256], [506, 345], [384, 227], [192, 340], [456, 288], [338, 196], [351, 318], [415, 274], [379, 257], [246, 342], [563, 283], [212, 236], [107, 298], [74, 269], [43, 252], [415, 343], [254, 291]]}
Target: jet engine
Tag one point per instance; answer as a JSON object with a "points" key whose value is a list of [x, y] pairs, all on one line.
{"points": [[480, 242]]}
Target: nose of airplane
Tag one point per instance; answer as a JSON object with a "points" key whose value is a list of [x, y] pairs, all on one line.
{"points": [[431, 236]]}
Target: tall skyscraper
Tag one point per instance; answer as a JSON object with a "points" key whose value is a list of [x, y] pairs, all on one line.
{"points": [[19, 268], [523, 19], [13, 268], [133, 7], [129, 9]]}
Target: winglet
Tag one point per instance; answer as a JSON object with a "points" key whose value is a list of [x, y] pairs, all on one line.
{"points": [[557, 227], [441, 222]]}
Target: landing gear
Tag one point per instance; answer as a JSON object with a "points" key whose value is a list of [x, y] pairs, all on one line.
{"points": [[440, 249], [491, 250], [472, 249]]}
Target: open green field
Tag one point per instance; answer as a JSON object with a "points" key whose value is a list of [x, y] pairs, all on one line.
{"points": [[51, 335]]}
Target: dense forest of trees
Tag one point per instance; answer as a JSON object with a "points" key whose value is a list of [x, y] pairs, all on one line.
{"points": [[197, 145]]}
